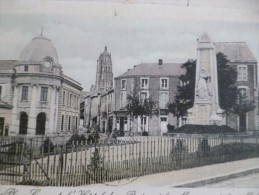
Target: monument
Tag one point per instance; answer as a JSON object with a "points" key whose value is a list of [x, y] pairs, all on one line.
{"points": [[206, 110]]}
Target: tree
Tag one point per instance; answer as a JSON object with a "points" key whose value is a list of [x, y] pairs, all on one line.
{"points": [[227, 77], [240, 108], [184, 98], [139, 107], [228, 92]]}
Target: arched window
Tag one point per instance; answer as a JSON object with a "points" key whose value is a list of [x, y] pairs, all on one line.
{"points": [[40, 124], [23, 123]]}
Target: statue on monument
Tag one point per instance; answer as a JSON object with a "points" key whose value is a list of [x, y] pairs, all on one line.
{"points": [[203, 91]]}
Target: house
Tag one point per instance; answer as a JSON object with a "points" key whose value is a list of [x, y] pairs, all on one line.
{"points": [[243, 61], [158, 81], [106, 112]]}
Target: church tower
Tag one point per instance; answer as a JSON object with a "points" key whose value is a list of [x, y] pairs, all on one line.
{"points": [[104, 75]]}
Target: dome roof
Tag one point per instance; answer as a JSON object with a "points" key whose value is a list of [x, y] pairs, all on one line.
{"points": [[38, 49]]}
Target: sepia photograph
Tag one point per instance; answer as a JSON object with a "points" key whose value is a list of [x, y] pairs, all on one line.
{"points": [[134, 97]]}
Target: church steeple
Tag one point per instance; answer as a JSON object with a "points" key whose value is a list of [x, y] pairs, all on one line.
{"points": [[104, 75]]}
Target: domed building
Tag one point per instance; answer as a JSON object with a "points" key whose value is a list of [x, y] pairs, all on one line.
{"points": [[44, 101]]}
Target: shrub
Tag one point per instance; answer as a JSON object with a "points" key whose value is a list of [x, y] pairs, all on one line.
{"points": [[234, 149], [180, 147], [47, 146], [203, 148], [170, 128], [144, 133], [76, 139], [204, 129], [93, 138]]}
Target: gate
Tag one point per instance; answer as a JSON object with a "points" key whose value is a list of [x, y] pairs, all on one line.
{"points": [[14, 161]]}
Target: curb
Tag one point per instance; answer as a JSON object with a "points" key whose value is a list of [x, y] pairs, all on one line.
{"points": [[217, 179]]}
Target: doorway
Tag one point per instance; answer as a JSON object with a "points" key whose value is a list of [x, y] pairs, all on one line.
{"points": [[163, 124], [41, 123]]}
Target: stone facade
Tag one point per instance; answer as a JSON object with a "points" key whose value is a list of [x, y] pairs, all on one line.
{"points": [[68, 121], [34, 90]]}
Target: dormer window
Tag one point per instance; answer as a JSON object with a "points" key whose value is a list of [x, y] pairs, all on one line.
{"points": [[26, 68]]}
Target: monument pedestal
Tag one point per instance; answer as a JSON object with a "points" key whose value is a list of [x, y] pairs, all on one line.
{"points": [[201, 114]]}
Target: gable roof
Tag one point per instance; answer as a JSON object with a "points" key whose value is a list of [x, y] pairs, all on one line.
{"points": [[7, 64], [153, 69], [236, 51]]}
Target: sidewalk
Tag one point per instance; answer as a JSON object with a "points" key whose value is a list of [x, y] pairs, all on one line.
{"points": [[193, 177]]}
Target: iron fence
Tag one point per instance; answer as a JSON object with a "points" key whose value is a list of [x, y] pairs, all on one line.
{"points": [[57, 161]]}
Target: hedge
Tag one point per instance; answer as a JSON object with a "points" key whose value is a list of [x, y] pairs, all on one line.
{"points": [[203, 129]]}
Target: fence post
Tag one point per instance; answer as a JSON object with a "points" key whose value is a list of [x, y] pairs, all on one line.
{"points": [[31, 151], [61, 165]]}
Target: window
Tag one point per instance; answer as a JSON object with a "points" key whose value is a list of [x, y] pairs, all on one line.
{"points": [[242, 73], [163, 119], [123, 84], [70, 100], [143, 95], [44, 94], [164, 83], [62, 123], [163, 99], [123, 99], [69, 123], [144, 83], [26, 68], [40, 124], [25, 90], [2, 126], [75, 101], [243, 93], [23, 123], [64, 97]]}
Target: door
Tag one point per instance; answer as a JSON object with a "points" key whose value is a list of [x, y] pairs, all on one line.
{"points": [[110, 125], [163, 125], [242, 123], [121, 124], [144, 124], [1, 126]]}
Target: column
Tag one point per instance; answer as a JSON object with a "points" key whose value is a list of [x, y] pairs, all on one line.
{"points": [[32, 115], [56, 113], [51, 127], [14, 126]]}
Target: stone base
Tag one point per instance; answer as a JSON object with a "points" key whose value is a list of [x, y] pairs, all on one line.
{"points": [[201, 114]]}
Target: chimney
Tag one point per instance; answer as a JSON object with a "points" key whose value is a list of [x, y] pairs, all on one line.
{"points": [[160, 62]]}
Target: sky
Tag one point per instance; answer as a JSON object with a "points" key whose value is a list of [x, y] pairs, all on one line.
{"points": [[134, 31]]}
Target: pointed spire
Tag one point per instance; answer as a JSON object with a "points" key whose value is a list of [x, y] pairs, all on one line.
{"points": [[105, 48], [41, 34]]}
